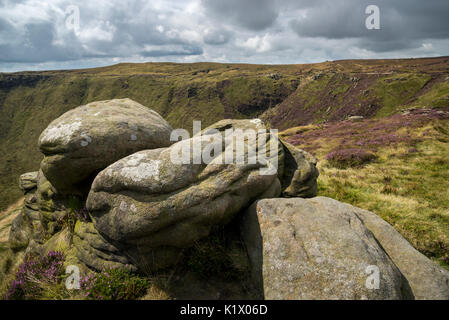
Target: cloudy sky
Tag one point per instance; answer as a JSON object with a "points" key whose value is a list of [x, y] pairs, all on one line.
{"points": [[60, 34]]}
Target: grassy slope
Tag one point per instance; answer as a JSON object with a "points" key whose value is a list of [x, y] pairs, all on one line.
{"points": [[408, 183], [181, 93], [370, 88]]}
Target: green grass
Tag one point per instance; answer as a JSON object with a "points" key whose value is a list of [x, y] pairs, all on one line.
{"points": [[396, 90], [437, 97], [410, 190]]}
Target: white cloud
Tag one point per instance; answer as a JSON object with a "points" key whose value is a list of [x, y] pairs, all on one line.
{"points": [[102, 30], [33, 34], [257, 43]]}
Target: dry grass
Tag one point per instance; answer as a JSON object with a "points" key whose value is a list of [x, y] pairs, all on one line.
{"points": [[9, 262], [156, 293], [13, 206]]}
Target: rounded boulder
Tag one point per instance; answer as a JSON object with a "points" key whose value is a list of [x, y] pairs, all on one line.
{"points": [[87, 139]]}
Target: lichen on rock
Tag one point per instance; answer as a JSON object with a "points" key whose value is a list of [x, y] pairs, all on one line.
{"points": [[85, 140]]}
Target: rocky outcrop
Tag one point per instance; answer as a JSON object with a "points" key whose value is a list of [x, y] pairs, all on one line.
{"points": [[28, 181], [297, 170], [28, 184], [320, 248], [85, 140], [149, 202], [147, 206], [150, 199], [94, 251], [155, 203]]}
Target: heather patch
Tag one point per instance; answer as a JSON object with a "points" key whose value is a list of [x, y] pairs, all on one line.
{"points": [[42, 277], [113, 284], [369, 134], [34, 274], [349, 158]]}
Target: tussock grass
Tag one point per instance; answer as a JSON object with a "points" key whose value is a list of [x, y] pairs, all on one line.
{"points": [[154, 292]]}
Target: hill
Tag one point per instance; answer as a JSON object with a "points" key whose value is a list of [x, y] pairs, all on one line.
{"points": [[283, 95]]}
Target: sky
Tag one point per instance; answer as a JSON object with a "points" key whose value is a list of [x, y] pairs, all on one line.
{"points": [[64, 34]]}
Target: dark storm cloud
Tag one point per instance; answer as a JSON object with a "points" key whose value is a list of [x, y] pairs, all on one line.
{"points": [[404, 23], [251, 14]]}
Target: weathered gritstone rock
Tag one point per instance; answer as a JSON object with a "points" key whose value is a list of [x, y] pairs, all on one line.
{"points": [[28, 184], [317, 248], [61, 242], [94, 251], [296, 168], [31, 205], [87, 139], [21, 231], [28, 181], [52, 205], [155, 207], [427, 280]]}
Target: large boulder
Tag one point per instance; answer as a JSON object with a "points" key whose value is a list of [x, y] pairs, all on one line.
{"points": [[318, 248], [28, 181], [28, 184], [297, 169], [321, 248], [427, 280], [155, 205], [85, 140]]}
